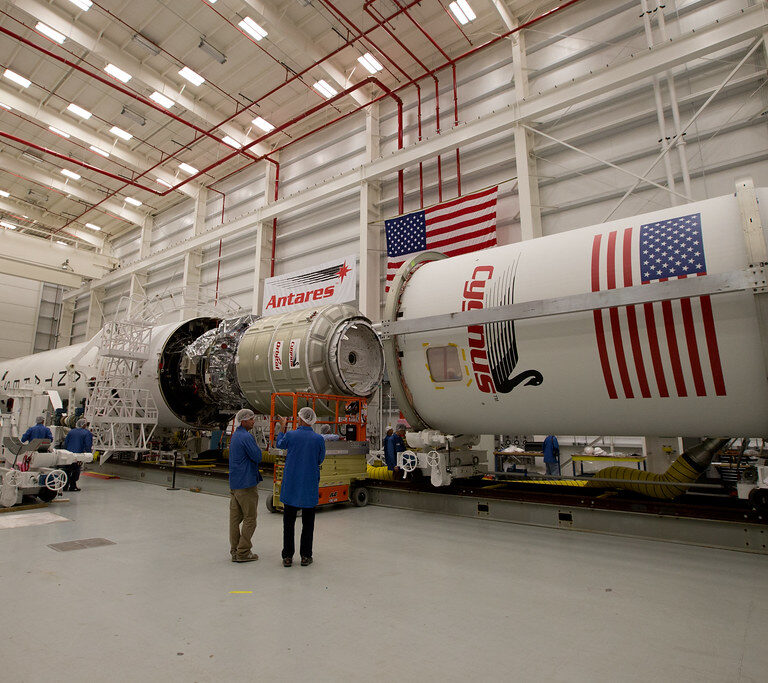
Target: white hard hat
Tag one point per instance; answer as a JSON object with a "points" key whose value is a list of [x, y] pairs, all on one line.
{"points": [[307, 415], [244, 414]]}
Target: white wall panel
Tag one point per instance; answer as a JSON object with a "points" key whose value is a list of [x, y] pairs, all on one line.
{"points": [[19, 305]]}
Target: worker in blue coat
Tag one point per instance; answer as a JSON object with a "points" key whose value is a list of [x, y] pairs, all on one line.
{"points": [[244, 476], [78, 440], [552, 455], [305, 452], [394, 444], [39, 431]]}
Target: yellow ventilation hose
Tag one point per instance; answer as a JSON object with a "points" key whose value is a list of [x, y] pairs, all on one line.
{"points": [[685, 470], [380, 473]]}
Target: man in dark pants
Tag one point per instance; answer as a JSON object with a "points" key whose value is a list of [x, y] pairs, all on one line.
{"points": [[299, 488], [78, 440], [244, 476]]}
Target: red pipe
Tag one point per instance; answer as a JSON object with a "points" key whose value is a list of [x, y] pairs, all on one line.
{"points": [[223, 199]]}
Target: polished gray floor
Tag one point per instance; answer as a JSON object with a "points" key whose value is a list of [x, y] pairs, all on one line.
{"points": [[393, 595]]}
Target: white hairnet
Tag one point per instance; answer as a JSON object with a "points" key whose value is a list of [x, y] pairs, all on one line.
{"points": [[39, 420], [307, 415], [81, 423], [389, 428], [244, 414], [325, 429], [401, 428]]}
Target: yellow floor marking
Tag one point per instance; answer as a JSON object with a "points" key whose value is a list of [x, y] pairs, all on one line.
{"points": [[239, 592]]}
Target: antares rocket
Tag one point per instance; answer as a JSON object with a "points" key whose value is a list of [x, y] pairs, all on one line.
{"points": [[202, 370]]}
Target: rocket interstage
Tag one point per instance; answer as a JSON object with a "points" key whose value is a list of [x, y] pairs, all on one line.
{"points": [[691, 365]]}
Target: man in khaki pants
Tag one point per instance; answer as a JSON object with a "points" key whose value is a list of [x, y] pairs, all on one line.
{"points": [[244, 476]]}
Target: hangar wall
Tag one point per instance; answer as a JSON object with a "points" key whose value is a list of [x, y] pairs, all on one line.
{"points": [[728, 140]]}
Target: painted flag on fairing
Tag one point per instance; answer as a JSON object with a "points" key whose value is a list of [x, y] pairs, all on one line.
{"points": [[455, 227], [659, 349]]}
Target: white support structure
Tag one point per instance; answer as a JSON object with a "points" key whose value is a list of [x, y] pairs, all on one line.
{"points": [[66, 318], [369, 299], [190, 284], [95, 314], [752, 22], [262, 260]]}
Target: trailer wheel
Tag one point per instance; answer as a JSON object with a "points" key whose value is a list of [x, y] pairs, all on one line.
{"points": [[758, 498], [271, 503], [359, 497]]}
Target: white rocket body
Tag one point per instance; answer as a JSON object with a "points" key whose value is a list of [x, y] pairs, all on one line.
{"points": [[563, 379]]}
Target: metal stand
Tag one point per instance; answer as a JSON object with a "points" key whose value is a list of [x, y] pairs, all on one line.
{"points": [[172, 487]]}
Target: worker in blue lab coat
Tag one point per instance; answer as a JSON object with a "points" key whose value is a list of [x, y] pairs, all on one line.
{"points": [[394, 444], [39, 431], [305, 452], [244, 476], [327, 434], [78, 440], [552, 455]]}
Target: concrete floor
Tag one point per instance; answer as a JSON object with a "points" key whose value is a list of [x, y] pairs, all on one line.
{"points": [[393, 595]]}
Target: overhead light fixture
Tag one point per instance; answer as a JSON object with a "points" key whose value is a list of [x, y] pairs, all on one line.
{"points": [[99, 151], [324, 89], [84, 5], [62, 243], [82, 113], [32, 157], [193, 77], [231, 142], [191, 170], [368, 61], [206, 47], [5, 106], [163, 182], [133, 201], [117, 73], [3, 193], [20, 80], [462, 11], [146, 43], [56, 131], [92, 226], [119, 132], [10, 226], [70, 174], [130, 114], [162, 100], [251, 27], [265, 125], [53, 34]]}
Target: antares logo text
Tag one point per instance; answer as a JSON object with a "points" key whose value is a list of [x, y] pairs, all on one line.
{"points": [[474, 290], [301, 297]]}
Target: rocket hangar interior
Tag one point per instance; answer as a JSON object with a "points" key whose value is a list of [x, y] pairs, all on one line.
{"points": [[530, 238]]}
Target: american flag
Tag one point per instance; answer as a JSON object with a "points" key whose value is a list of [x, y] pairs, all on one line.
{"points": [[655, 349], [454, 227]]}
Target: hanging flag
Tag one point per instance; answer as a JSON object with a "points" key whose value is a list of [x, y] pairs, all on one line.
{"points": [[452, 228], [656, 349]]}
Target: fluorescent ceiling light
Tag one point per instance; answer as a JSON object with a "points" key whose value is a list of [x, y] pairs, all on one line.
{"points": [[92, 226], [368, 61], [162, 100], [163, 182], [133, 201], [266, 126], [70, 174], [119, 132], [231, 142], [206, 47], [191, 76], [5, 106], [191, 170], [32, 157], [55, 130], [61, 242], [462, 11], [117, 73], [10, 226], [13, 76], [130, 114], [250, 26], [99, 151], [146, 43], [83, 113], [324, 89], [53, 34], [3, 193], [84, 5]]}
